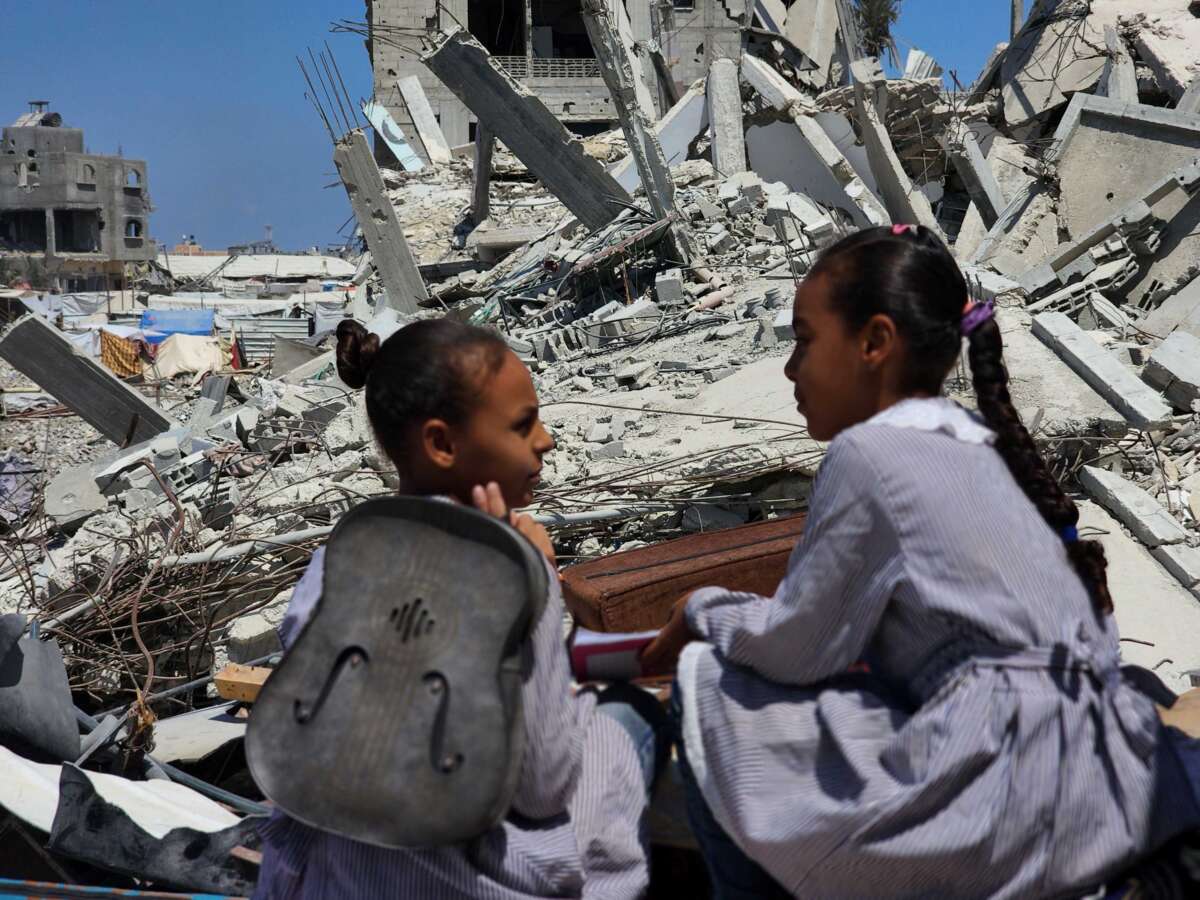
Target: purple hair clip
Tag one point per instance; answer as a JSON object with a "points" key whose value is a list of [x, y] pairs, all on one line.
{"points": [[898, 230], [975, 313]]}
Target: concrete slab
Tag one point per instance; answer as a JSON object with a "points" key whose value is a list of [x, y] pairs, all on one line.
{"points": [[1189, 103], [676, 131], [967, 158], [1139, 404], [813, 28], [1181, 561], [1174, 369], [1138, 511], [1158, 616], [1102, 146], [40, 352], [433, 142], [1057, 53], [775, 90], [1011, 165], [527, 128]]}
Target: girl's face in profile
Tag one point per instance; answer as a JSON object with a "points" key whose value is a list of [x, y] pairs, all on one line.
{"points": [[841, 377]]}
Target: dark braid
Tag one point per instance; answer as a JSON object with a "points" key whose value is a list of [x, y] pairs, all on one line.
{"points": [[908, 275], [985, 349]]}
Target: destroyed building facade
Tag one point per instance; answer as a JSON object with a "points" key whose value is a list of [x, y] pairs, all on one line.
{"points": [[86, 214], [545, 47]]}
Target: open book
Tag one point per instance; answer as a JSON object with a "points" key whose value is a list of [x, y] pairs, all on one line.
{"points": [[597, 656]]}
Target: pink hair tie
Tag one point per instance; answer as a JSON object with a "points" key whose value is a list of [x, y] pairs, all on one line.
{"points": [[898, 230]]}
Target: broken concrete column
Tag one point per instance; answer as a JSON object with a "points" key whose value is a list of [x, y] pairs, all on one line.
{"points": [[1174, 368], [38, 351], [676, 131], [1119, 80], [725, 118], [380, 227], [775, 90], [1018, 17], [904, 203], [481, 200], [425, 123], [1139, 404], [616, 66], [518, 118], [1137, 510], [967, 158]]}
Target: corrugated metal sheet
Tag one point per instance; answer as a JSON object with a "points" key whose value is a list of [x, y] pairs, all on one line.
{"points": [[263, 266], [295, 329]]}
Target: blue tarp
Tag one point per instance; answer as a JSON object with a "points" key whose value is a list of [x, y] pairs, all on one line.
{"points": [[177, 321]]}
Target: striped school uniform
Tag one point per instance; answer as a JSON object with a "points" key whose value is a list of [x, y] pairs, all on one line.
{"points": [[994, 750]]}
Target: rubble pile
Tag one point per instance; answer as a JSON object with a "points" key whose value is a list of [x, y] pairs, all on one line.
{"points": [[645, 276]]}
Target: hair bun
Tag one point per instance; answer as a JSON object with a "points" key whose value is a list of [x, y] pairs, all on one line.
{"points": [[356, 351]]}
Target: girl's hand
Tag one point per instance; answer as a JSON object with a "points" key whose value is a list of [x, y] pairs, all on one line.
{"points": [[661, 656], [489, 500]]}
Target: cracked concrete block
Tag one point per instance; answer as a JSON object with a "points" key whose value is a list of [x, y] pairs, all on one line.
{"points": [[766, 337], [721, 241], [668, 287], [782, 326], [1174, 368], [611, 450], [739, 206], [637, 375], [1138, 403], [1137, 510]]}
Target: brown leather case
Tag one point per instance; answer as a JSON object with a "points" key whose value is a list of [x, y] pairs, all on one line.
{"points": [[635, 590]]}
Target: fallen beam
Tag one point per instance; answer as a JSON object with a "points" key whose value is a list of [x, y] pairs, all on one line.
{"points": [[425, 123], [41, 353], [380, 227], [725, 118], [617, 69], [518, 118], [904, 203], [966, 156], [1141, 406], [676, 132], [1119, 80]]}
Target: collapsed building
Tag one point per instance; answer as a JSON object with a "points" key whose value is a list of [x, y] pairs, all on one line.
{"points": [[84, 215], [644, 274]]}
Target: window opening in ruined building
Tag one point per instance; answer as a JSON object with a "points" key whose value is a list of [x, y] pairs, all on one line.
{"points": [[31, 153], [559, 33], [133, 228], [88, 174], [133, 178], [77, 230], [684, 4], [23, 230], [499, 25]]}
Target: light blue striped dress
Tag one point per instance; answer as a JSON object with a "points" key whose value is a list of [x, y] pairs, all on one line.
{"points": [[574, 830], [994, 751]]}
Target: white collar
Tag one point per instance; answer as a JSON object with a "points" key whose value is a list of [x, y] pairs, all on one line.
{"points": [[940, 414]]}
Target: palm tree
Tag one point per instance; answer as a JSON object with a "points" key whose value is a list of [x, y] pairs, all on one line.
{"points": [[876, 18]]}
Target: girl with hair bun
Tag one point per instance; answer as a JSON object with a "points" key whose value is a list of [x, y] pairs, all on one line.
{"points": [[931, 704], [455, 411]]}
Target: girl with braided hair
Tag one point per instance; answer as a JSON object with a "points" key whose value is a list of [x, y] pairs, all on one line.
{"points": [[993, 746]]}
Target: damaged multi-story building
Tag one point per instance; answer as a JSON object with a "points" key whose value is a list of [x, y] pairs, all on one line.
{"points": [[84, 215], [544, 45]]}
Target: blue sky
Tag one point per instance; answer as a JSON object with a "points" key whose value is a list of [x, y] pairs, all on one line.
{"points": [[208, 93]]}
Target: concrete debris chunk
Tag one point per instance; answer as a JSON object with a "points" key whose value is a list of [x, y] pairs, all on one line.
{"points": [[1174, 368], [1181, 561], [433, 142], [1138, 403], [1137, 510]]}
